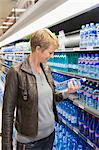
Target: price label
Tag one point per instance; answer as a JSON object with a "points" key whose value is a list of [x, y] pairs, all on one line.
{"points": [[81, 106], [90, 143], [75, 130], [63, 121]]}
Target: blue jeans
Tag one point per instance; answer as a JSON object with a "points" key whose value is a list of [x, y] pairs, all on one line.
{"points": [[43, 144]]}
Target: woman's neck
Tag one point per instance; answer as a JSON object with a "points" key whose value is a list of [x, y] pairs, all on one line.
{"points": [[34, 62]]}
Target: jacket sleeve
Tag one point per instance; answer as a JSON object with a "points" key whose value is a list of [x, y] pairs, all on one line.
{"points": [[9, 102], [57, 95]]}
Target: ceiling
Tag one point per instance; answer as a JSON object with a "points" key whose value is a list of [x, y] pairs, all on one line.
{"points": [[5, 9]]}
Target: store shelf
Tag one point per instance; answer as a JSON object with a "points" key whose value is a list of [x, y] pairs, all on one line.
{"points": [[21, 52], [77, 49], [76, 130], [76, 75], [8, 59], [5, 65], [84, 107]]}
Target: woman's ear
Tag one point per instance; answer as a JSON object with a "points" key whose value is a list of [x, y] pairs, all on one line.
{"points": [[38, 49]]}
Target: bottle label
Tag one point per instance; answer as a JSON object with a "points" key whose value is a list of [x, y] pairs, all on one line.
{"points": [[91, 131], [96, 135], [85, 127], [73, 119]]}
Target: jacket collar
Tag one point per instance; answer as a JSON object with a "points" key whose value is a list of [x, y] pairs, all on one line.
{"points": [[27, 67]]}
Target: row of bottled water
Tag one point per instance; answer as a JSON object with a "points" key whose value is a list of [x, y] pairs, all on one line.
{"points": [[88, 65], [89, 35], [87, 124], [88, 94], [64, 62], [65, 139], [83, 64], [19, 47], [68, 112]]}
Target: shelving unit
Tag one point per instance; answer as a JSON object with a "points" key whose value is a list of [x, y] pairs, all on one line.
{"points": [[73, 97], [76, 130], [76, 75], [77, 49], [84, 107]]}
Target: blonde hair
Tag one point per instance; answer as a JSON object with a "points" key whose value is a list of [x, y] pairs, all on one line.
{"points": [[43, 38]]}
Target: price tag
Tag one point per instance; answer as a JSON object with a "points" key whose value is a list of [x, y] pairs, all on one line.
{"points": [[63, 121], [90, 143], [75, 130], [81, 106]]}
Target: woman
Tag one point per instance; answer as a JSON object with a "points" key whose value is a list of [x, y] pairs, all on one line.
{"points": [[30, 90]]}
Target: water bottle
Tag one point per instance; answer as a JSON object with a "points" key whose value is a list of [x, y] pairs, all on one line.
{"points": [[86, 124], [92, 35], [95, 96], [89, 99], [74, 115], [81, 121], [86, 35], [88, 65], [61, 38], [97, 65], [82, 37], [80, 63], [92, 126], [97, 33], [76, 82], [97, 135]]}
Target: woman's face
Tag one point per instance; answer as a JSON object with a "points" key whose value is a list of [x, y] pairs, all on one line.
{"points": [[45, 55]]}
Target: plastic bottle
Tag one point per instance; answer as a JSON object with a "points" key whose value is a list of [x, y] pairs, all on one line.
{"points": [[61, 38], [86, 124], [88, 65], [92, 35], [97, 33], [86, 35], [89, 99], [92, 126], [95, 97], [97, 65], [82, 36], [80, 64], [97, 135], [81, 121], [74, 115]]}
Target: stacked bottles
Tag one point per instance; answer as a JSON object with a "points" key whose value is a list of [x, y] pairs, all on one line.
{"points": [[68, 112], [89, 125], [63, 82], [65, 139], [59, 61], [88, 94], [65, 62], [88, 65], [61, 39], [89, 36]]}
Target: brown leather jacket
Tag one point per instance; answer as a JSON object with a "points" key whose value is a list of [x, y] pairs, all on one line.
{"points": [[21, 93]]}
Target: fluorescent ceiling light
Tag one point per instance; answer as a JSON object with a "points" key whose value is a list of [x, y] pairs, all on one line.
{"points": [[3, 27], [12, 17], [8, 23], [65, 11], [18, 10]]}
